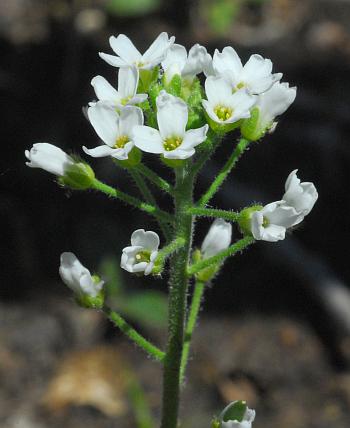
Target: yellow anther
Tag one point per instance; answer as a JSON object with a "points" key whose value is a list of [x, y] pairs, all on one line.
{"points": [[223, 113], [121, 141], [172, 143]]}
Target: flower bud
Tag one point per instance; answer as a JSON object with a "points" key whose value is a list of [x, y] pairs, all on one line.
{"points": [[78, 176], [86, 287]]}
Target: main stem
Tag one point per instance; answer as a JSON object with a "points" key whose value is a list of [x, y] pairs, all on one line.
{"points": [[177, 298]]}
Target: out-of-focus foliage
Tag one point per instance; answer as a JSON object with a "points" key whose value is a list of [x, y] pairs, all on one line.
{"points": [[221, 14], [132, 7], [149, 308]]}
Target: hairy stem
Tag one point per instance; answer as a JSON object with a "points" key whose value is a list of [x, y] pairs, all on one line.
{"points": [[221, 177], [191, 324], [211, 212], [165, 252], [145, 191], [132, 334], [131, 200], [177, 298], [219, 257], [155, 179]]}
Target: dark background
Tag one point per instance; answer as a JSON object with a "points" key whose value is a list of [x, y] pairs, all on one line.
{"points": [[48, 57]]}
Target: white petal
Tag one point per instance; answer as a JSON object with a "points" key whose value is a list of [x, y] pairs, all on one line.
{"points": [[172, 115], [174, 61], [104, 90], [301, 196], [130, 116], [148, 240], [197, 60], [155, 54], [128, 79], [274, 102], [147, 139], [193, 137], [179, 153], [241, 102], [104, 119], [48, 157], [100, 151], [217, 239], [218, 90], [137, 99], [257, 74], [227, 61], [112, 60], [271, 233], [281, 214], [125, 49]]}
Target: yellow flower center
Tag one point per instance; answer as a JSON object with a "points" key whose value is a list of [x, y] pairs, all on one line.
{"points": [[240, 85], [223, 113], [143, 256], [121, 141], [172, 143], [124, 101], [266, 222]]}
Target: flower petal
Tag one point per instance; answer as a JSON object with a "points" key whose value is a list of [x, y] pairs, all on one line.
{"points": [[148, 240], [218, 90], [174, 61], [172, 115], [227, 61], [104, 90], [112, 60], [193, 137], [155, 54], [147, 139], [100, 151], [128, 79], [125, 49], [130, 116], [104, 119], [217, 239]]}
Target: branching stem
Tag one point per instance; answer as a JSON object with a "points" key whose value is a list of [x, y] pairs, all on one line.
{"points": [[212, 212], [155, 179]]}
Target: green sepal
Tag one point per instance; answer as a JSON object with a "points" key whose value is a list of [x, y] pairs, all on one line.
{"points": [[192, 92], [235, 411], [145, 106], [215, 423], [222, 128], [174, 86], [245, 215], [90, 302], [173, 163], [251, 128], [134, 159], [147, 77], [79, 176], [153, 93], [208, 273]]}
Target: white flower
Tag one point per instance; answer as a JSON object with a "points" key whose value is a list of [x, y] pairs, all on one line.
{"points": [[140, 256], [217, 239], [256, 75], [273, 103], [301, 196], [272, 221], [77, 277], [246, 422], [222, 105], [49, 157], [114, 129], [172, 140], [187, 66], [127, 54], [128, 79]]}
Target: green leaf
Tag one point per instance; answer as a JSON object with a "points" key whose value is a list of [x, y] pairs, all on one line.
{"points": [[147, 308], [131, 7]]}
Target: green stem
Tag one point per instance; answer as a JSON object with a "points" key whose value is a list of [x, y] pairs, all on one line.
{"points": [[191, 323], [206, 152], [132, 334], [221, 177], [155, 179], [131, 200], [165, 252], [219, 257], [211, 212], [177, 297], [145, 191]]}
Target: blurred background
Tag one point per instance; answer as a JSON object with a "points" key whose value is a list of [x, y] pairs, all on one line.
{"points": [[275, 328]]}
